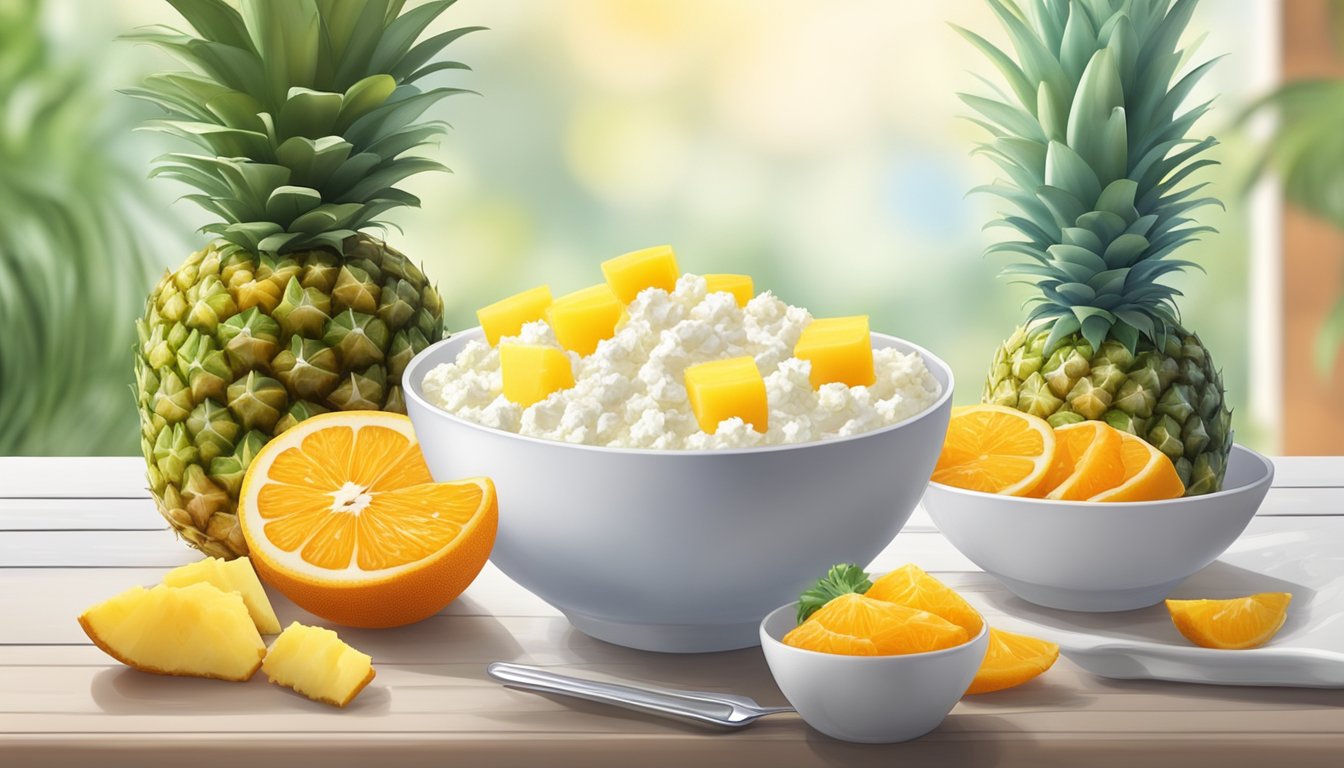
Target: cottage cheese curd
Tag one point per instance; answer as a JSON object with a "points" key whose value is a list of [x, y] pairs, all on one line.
{"points": [[629, 392]]}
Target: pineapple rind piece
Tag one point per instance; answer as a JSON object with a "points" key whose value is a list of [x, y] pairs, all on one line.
{"points": [[316, 663], [194, 631], [231, 576]]}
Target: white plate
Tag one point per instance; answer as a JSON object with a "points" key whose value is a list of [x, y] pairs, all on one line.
{"points": [[1276, 554]]}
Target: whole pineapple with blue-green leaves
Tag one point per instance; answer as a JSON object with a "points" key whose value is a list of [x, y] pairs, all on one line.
{"points": [[305, 115], [1091, 136]]}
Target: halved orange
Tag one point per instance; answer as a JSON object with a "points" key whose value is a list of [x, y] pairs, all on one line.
{"points": [[341, 514], [1087, 462], [812, 636], [1149, 474], [1236, 624], [893, 629], [995, 449], [910, 586], [1012, 660]]}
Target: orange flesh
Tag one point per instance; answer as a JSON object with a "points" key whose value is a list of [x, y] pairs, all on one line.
{"points": [[388, 513], [990, 451]]}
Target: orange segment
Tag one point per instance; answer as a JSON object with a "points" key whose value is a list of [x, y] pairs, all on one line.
{"points": [[1149, 474], [341, 514], [1239, 623], [893, 629], [910, 586], [1012, 660], [812, 636], [1087, 462], [995, 449]]}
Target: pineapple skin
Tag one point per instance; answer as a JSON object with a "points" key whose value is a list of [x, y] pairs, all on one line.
{"points": [[1171, 397], [236, 347]]}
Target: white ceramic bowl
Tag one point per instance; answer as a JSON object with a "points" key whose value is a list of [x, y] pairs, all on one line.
{"points": [[1119, 556], [682, 551], [871, 699]]}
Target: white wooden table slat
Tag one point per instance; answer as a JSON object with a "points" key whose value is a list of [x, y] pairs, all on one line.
{"points": [[75, 531], [124, 476]]}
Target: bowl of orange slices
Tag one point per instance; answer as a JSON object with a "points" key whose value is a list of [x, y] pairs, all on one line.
{"points": [[886, 659], [1082, 517]]}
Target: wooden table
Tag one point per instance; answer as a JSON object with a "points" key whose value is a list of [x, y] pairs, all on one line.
{"points": [[75, 531]]}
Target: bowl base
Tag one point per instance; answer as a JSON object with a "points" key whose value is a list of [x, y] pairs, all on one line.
{"points": [[1089, 601], [670, 638]]}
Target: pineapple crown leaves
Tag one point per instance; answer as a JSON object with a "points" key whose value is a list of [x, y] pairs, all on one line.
{"points": [[839, 580], [1092, 140], [306, 110]]}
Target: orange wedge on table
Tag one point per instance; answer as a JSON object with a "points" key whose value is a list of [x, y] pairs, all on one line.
{"points": [[995, 449], [1148, 475], [1087, 462], [859, 625], [341, 514], [1236, 624], [1012, 660]]}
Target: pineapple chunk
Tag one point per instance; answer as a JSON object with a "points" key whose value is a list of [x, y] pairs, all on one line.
{"points": [[723, 389], [583, 318], [739, 285], [231, 576], [507, 317], [314, 662], [654, 267], [531, 372], [198, 631], [840, 350]]}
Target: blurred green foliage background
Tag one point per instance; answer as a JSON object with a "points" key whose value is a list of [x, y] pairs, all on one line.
{"points": [[816, 146]]}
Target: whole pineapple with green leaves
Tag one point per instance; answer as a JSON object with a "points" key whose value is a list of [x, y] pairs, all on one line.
{"points": [[305, 113], [1092, 140]]}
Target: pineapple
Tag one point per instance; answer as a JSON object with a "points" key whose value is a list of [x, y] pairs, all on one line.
{"points": [[305, 111], [230, 576], [314, 662], [1092, 140], [195, 631]]}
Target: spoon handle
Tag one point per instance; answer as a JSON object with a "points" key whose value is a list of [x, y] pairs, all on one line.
{"points": [[695, 707]]}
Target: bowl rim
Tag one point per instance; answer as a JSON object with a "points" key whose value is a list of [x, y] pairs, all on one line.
{"points": [[1264, 478], [413, 380], [793, 606]]}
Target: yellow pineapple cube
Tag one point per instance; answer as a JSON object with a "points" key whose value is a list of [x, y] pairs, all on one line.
{"points": [[196, 631], [840, 350], [739, 285], [532, 372], [654, 267], [231, 576], [507, 317], [723, 389], [314, 662], [583, 318]]}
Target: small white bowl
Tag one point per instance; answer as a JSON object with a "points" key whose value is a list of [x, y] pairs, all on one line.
{"points": [[1095, 557], [683, 551], [869, 699]]}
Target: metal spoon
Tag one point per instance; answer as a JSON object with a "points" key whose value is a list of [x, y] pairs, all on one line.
{"points": [[718, 709]]}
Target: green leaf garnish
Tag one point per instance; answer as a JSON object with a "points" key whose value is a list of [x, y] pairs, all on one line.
{"points": [[839, 580]]}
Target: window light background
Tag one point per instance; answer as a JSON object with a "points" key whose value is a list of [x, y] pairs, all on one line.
{"points": [[815, 146]]}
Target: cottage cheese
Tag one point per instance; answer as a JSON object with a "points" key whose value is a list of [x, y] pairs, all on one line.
{"points": [[629, 393]]}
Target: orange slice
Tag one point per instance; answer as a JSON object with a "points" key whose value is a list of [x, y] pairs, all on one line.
{"points": [[1012, 660], [811, 636], [893, 629], [995, 449], [1149, 474], [910, 586], [1243, 622], [1087, 462], [341, 514]]}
